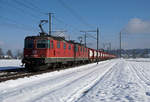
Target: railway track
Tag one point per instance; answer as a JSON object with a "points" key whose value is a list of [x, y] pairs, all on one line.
{"points": [[4, 76], [20, 73], [12, 74]]}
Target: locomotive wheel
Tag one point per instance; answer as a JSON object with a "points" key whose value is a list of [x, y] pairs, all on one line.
{"points": [[28, 67]]}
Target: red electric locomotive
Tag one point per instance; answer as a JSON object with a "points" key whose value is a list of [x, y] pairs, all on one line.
{"points": [[43, 51]]}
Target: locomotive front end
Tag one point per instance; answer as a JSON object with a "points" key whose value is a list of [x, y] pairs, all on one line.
{"points": [[35, 52]]}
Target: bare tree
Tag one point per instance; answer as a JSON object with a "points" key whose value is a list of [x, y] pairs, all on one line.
{"points": [[9, 53], [1, 53], [145, 53], [19, 54], [134, 53]]}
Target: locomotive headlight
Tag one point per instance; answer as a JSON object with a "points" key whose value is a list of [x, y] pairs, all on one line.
{"points": [[26, 55], [34, 52], [42, 55]]}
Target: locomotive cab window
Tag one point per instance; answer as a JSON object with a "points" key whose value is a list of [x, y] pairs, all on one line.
{"points": [[29, 43], [43, 43]]}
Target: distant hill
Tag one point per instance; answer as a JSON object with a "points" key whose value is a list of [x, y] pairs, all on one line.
{"points": [[131, 53]]}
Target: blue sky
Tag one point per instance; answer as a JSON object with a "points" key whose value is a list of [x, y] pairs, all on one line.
{"points": [[20, 18]]}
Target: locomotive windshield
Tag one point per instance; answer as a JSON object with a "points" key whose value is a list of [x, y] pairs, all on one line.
{"points": [[43, 43], [29, 43]]}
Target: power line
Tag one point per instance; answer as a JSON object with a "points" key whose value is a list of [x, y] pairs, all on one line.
{"points": [[11, 22], [67, 25], [23, 11], [91, 36], [58, 20], [15, 24], [36, 8], [27, 7], [23, 4], [74, 13]]}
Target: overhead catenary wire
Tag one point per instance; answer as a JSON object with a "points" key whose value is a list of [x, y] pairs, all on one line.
{"points": [[25, 5], [74, 29], [19, 8], [36, 8], [34, 13], [15, 24], [91, 36], [68, 25], [20, 14], [31, 4], [75, 14]]}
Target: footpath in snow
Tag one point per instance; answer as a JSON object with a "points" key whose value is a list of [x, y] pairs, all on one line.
{"points": [[127, 81], [109, 81]]}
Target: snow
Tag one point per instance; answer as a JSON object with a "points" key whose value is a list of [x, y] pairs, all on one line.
{"points": [[10, 64], [117, 80], [139, 59], [127, 81]]}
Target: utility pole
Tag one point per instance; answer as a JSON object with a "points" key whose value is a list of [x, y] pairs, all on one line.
{"points": [[103, 45], [110, 46], [50, 23], [97, 38], [84, 37], [120, 44], [107, 45], [97, 42]]}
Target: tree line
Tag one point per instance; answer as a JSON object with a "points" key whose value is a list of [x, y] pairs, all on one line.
{"points": [[10, 55]]}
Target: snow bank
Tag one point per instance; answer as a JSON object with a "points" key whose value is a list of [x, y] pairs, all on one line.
{"points": [[10, 64]]}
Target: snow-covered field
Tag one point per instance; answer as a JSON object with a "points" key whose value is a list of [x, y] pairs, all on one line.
{"points": [[118, 80], [10, 64]]}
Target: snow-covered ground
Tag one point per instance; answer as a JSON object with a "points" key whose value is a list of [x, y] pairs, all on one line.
{"points": [[139, 59], [10, 64], [110, 81]]}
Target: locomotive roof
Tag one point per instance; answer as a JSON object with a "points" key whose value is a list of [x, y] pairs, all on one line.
{"points": [[46, 37], [54, 38]]}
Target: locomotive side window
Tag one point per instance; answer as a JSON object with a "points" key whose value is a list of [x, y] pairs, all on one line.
{"points": [[69, 47], [64, 46], [29, 43], [42, 43], [58, 44], [52, 44], [76, 48]]}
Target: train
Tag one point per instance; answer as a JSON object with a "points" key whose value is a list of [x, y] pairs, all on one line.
{"points": [[46, 51]]}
